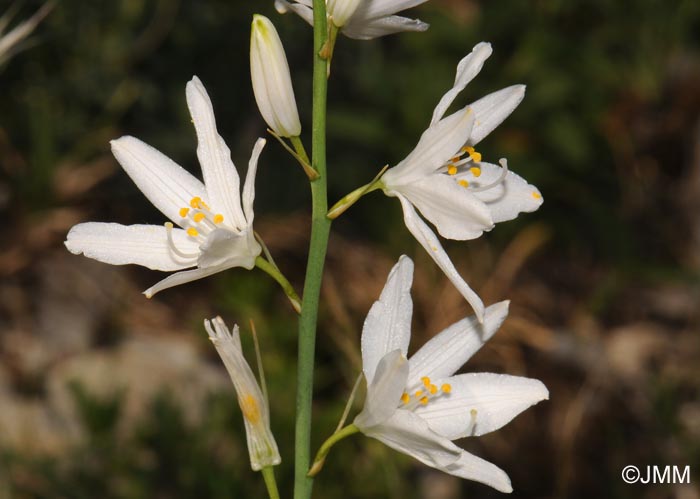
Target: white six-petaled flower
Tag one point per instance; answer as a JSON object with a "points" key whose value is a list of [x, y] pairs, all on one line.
{"points": [[272, 83], [418, 406], [446, 180], [362, 20], [216, 219], [262, 446]]}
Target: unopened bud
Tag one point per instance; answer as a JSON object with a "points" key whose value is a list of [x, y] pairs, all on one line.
{"points": [[272, 84]]}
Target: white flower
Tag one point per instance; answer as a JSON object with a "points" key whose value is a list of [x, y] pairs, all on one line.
{"points": [[418, 406], [9, 42], [256, 412], [362, 20], [216, 219], [272, 84], [446, 180]]}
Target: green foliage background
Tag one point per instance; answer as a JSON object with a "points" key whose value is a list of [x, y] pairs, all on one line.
{"points": [[607, 131]]}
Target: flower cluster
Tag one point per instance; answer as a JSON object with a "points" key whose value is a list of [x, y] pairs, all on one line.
{"points": [[416, 405]]}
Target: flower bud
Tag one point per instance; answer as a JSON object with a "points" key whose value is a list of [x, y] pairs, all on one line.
{"points": [[272, 84], [342, 10]]}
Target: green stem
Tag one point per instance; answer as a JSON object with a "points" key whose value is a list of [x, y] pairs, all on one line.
{"points": [[320, 458], [299, 148], [274, 272], [320, 230], [268, 474]]}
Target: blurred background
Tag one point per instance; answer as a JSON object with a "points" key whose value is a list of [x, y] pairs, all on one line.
{"points": [[104, 393]]}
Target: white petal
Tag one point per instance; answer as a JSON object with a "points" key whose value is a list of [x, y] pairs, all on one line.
{"points": [[373, 9], [384, 392], [507, 199], [272, 83], [145, 245], [217, 330], [447, 351], [303, 11], [474, 468], [388, 323], [408, 433], [249, 186], [438, 143], [491, 110], [467, 69], [165, 183], [457, 213], [342, 10], [374, 28], [430, 242], [496, 398], [183, 278], [233, 249], [220, 175]]}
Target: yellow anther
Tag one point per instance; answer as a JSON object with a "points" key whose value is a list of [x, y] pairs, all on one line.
{"points": [[446, 388], [218, 218], [473, 413], [192, 232], [418, 393], [405, 398], [426, 381], [432, 389], [476, 171], [536, 195], [168, 225], [195, 202], [468, 149], [452, 170], [198, 217], [455, 159], [424, 400], [476, 157], [463, 183], [184, 211], [250, 409]]}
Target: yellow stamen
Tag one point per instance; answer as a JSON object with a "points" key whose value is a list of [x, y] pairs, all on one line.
{"points": [[405, 398], [168, 225], [432, 389], [184, 211], [536, 195], [192, 232], [476, 157], [476, 171], [446, 388], [426, 381], [454, 159], [250, 408], [198, 217], [452, 170], [424, 400], [463, 183], [418, 393], [218, 218], [195, 202], [468, 149]]}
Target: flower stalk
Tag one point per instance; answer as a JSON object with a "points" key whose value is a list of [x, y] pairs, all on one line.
{"points": [[320, 458], [287, 287], [320, 230], [268, 474], [349, 199]]}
